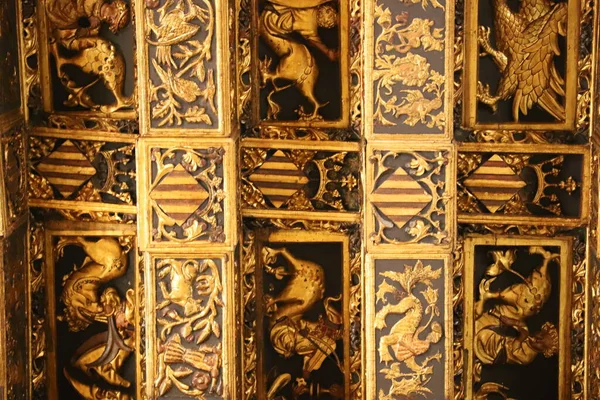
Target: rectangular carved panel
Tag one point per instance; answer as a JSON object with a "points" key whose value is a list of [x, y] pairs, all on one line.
{"points": [[531, 184], [408, 196], [84, 179], [409, 327], [301, 292], [315, 61], [86, 70], [192, 332], [279, 181], [521, 65], [409, 54], [92, 286], [185, 62], [521, 315]]}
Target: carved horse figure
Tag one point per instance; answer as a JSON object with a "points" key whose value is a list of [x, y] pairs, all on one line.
{"points": [[278, 21]]}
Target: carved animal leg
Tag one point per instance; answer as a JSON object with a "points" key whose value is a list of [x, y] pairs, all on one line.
{"points": [[485, 97], [113, 75], [163, 289], [384, 351], [483, 38]]}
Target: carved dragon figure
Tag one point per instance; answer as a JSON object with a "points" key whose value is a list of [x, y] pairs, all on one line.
{"points": [[403, 337], [527, 42], [103, 353]]}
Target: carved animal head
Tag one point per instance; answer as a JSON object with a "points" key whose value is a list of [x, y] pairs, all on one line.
{"points": [[116, 15], [327, 16]]}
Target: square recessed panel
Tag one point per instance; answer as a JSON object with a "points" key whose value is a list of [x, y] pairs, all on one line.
{"points": [[188, 193], [408, 197]]}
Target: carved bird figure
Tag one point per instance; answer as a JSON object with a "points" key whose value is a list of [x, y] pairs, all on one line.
{"points": [[174, 27], [527, 42]]}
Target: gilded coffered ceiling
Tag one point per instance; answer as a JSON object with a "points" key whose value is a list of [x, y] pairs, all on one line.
{"points": [[297, 200]]}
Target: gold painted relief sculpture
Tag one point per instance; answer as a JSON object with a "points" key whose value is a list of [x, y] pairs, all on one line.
{"points": [[103, 354], [188, 320], [181, 61], [527, 43], [408, 376], [501, 331], [94, 55], [408, 87], [279, 21], [291, 333]]}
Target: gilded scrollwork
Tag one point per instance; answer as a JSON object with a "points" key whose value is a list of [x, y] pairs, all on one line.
{"points": [[77, 122], [15, 173], [195, 214], [189, 326], [37, 319], [181, 35], [593, 361], [91, 53], [408, 88], [401, 345], [419, 178]]}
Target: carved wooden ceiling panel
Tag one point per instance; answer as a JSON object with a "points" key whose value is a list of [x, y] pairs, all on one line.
{"points": [[298, 200]]}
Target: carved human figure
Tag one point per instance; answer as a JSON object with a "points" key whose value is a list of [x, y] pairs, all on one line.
{"points": [[290, 333], [518, 302], [94, 55], [279, 20]]}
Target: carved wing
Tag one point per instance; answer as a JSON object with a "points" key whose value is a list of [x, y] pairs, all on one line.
{"points": [[531, 10], [538, 81]]}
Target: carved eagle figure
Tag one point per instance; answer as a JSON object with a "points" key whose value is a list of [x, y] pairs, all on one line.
{"points": [[526, 42]]}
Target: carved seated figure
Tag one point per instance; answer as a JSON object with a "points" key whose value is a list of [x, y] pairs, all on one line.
{"points": [[95, 56]]}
